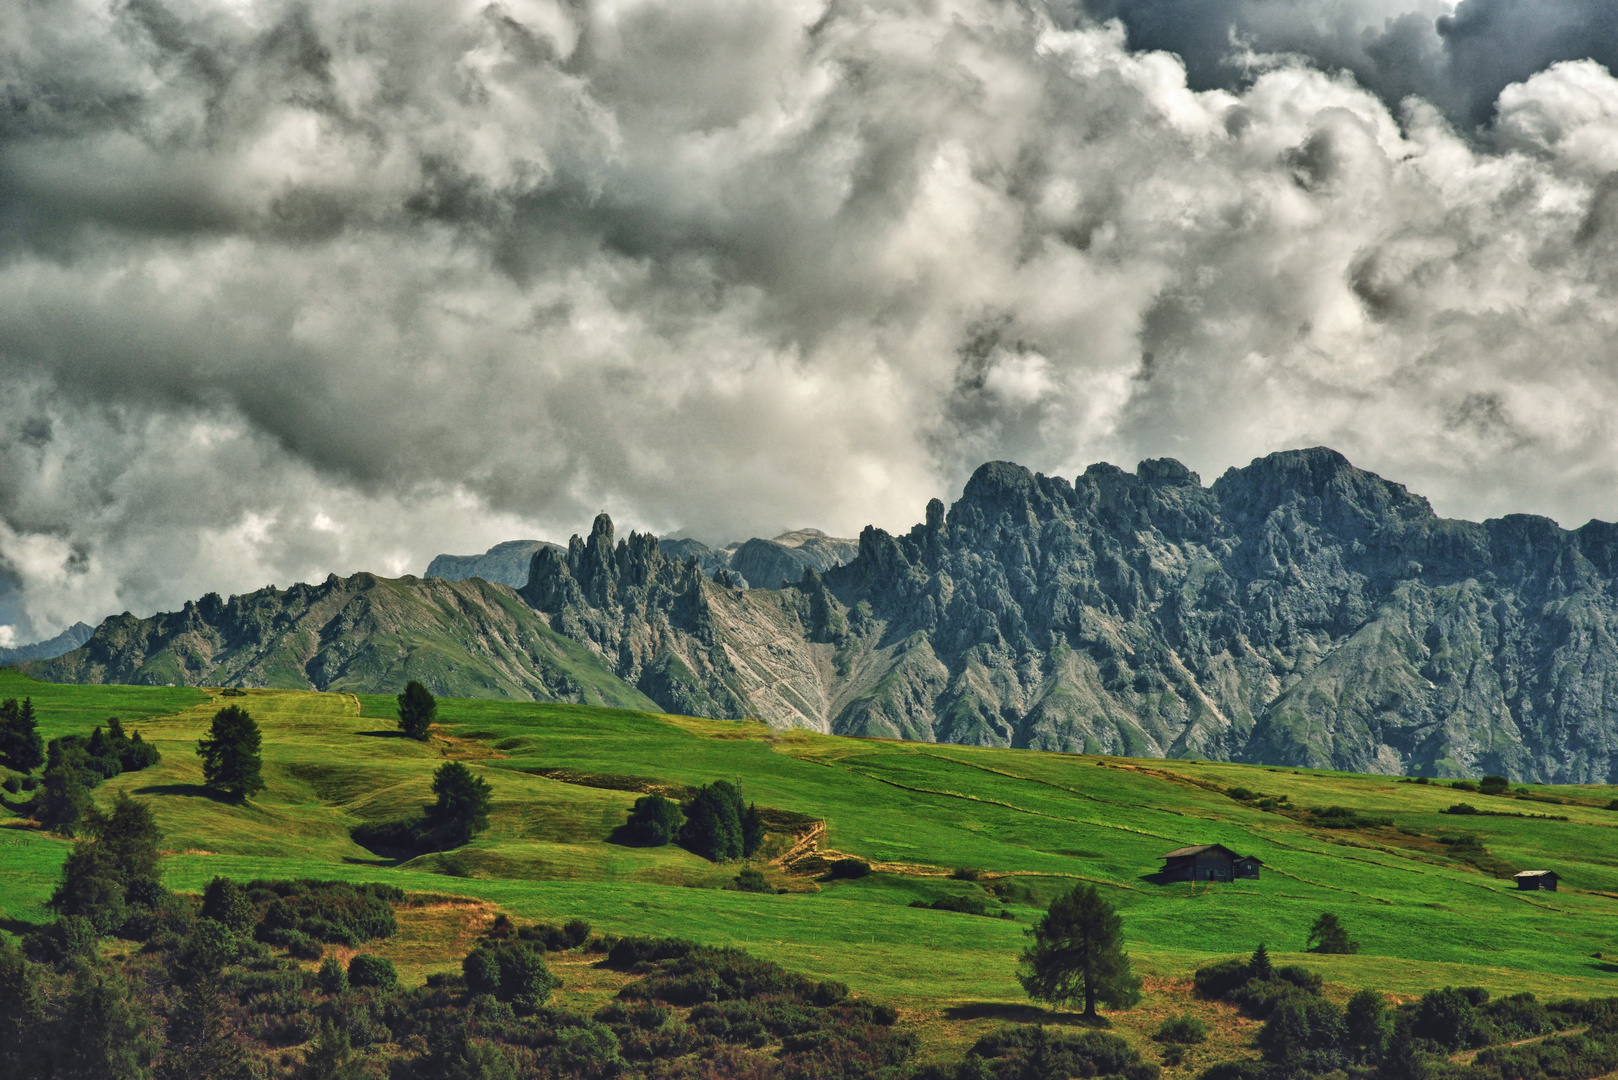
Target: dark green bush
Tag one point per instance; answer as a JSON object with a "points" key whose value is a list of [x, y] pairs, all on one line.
{"points": [[1015, 1052], [751, 880], [1462, 809], [368, 970], [848, 868], [1494, 785], [1183, 1028], [654, 821]]}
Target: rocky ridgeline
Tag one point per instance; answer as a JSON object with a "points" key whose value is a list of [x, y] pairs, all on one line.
{"points": [[1298, 611]]}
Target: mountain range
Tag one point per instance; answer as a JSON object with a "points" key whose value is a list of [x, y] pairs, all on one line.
{"points": [[754, 563], [66, 641], [1297, 611]]}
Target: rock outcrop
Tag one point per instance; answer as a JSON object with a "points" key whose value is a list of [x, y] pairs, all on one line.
{"points": [[1298, 611], [503, 564]]}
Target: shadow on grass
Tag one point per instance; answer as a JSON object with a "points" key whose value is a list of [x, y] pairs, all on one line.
{"points": [[1022, 1013], [1607, 967], [382, 734], [380, 860], [1160, 878], [19, 926], [192, 791]]}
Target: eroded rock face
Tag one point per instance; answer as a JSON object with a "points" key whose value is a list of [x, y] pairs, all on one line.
{"points": [[1298, 611]]}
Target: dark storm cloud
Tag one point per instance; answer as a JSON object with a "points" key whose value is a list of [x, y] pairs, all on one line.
{"points": [[1458, 56], [294, 288]]}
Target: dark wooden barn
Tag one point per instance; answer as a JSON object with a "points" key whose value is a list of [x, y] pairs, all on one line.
{"points": [[1538, 879], [1208, 862]]}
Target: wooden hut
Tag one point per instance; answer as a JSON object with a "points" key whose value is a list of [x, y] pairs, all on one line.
{"points": [[1208, 862], [1538, 879]]}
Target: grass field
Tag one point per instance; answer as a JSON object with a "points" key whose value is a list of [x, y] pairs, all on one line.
{"points": [[1027, 823]]}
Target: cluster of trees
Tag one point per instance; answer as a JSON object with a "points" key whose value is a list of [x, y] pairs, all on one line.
{"points": [[460, 810], [76, 764], [714, 823]]}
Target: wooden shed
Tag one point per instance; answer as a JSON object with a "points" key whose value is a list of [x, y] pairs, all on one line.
{"points": [[1208, 862], [1538, 879]]}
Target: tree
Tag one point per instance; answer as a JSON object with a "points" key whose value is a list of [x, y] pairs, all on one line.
{"points": [[107, 1033], [23, 1052], [713, 822], [231, 762], [463, 804], [200, 1044], [64, 795], [1328, 935], [654, 820], [130, 836], [1259, 967], [1365, 1020], [225, 901], [21, 747], [752, 831], [1078, 954], [332, 1056], [417, 710]]}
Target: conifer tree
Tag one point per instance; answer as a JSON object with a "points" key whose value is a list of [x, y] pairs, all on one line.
{"points": [[231, 762], [200, 1044], [417, 710], [224, 901], [1329, 935], [106, 1033], [1259, 967], [463, 804], [22, 1017], [21, 746], [331, 1057], [1078, 954]]}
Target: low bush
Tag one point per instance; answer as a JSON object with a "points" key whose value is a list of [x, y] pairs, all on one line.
{"points": [[1016, 1052], [751, 880], [1461, 808], [368, 970], [1184, 1029], [848, 868], [570, 935]]}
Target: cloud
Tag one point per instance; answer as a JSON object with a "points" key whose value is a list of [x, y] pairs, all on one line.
{"points": [[1458, 56], [288, 289]]}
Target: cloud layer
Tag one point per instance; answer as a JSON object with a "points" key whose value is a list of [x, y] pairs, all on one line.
{"points": [[288, 289]]}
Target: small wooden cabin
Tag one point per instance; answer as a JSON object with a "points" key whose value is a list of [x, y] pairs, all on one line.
{"points": [[1208, 862], [1538, 879]]}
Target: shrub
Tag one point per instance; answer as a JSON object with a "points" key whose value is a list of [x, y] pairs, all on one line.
{"points": [[848, 868], [368, 970], [335, 912], [751, 880], [1494, 785], [1184, 1028], [224, 901], [511, 972], [557, 939], [1015, 1052], [332, 978], [1449, 1017], [1462, 808], [1241, 794], [964, 873], [1464, 785]]}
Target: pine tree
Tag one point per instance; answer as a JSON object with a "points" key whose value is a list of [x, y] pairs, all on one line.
{"points": [[417, 710], [752, 831], [104, 1034], [713, 822], [1078, 954], [224, 901], [1328, 935], [231, 762], [1259, 967], [331, 1057], [200, 1045], [23, 1048], [463, 804], [21, 747], [63, 797]]}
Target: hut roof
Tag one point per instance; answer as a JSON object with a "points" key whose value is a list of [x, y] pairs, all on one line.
{"points": [[1198, 850], [1538, 873]]}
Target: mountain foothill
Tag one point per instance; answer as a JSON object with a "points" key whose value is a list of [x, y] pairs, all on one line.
{"points": [[1298, 611]]}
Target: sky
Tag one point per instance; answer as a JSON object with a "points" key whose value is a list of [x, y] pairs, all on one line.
{"points": [[291, 288]]}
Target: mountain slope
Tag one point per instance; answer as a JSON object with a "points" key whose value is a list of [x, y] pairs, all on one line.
{"points": [[66, 641], [503, 564], [1298, 611], [363, 633]]}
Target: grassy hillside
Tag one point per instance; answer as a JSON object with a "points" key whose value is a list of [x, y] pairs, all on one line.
{"points": [[1025, 823]]}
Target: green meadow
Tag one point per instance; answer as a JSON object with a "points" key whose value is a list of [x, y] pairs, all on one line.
{"points": [[929, 817]]}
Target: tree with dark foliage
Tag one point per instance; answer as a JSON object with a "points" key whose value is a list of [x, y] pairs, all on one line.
{"points": [[231, 762], [110, 1031], [462, 810], [224, 901], [1328, 935], [713, 823], [417, 710], [200, 1044], [654, 821], [21, 747], [115, 864], [22, 1016], [1078, 954]]}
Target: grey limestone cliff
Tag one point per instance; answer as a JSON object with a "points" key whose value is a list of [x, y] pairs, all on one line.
{"points": [[1298, 611]]}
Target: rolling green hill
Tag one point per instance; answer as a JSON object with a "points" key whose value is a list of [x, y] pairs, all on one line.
{"points": [[1023, 824]]}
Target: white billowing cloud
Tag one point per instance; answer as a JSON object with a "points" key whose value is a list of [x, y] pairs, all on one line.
{"points": [[290, 289]]}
